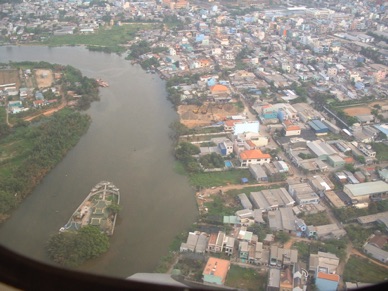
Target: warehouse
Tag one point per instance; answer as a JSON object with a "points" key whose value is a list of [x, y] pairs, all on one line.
{"points": [[258, 173], [335, 161], [363, 192], [245, 201], [271, 199], [321, 149], [318, 127], [303, 194]]}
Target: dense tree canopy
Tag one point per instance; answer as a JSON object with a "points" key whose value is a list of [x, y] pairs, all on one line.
{"points": [[43, 147], [212, 160], [73, 248]]}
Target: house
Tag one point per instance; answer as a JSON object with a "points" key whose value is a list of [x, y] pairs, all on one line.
{"points": [[325, 260], [282, 257], [255, 156], [291, 129], [326, 282], [215, 271], [376, 252], [216, 242], [329, 231], [229, 245], [219, 90], [258, 255], [196, 242], [273, 280], [243, 251]]}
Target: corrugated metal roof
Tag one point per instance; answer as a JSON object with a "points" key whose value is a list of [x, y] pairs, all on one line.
{"points": [[368, 188]]}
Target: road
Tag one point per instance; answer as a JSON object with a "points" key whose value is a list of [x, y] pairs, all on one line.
{"points": [[49, 111]]}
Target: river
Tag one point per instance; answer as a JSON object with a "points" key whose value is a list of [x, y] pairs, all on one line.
{"points": [[128, 144]]}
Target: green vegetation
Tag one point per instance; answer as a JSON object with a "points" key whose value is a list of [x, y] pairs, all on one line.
{"points": [[362, 270], [218, 178], [191, 268], [381, 151], [73, 248], [305, 156], [244, 278], [337, 247], [86, 87], [358, 235], [261, 230], [348, 214], [29, 152], [211, 161], [208, 144], [219, 207], [316, 219], [184, 153], [282, 237], [109, 40]]}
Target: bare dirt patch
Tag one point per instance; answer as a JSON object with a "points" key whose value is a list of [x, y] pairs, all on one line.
{"points": [[192, 116], [10, 77], [44, 78], [355, 111]]}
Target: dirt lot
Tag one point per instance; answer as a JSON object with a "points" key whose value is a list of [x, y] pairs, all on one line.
{"points": [[354, 111], [44, 78], [206, 115], [360, 110], [9, 77]]}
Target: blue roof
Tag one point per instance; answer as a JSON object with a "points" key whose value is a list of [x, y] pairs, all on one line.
{"points": [[244, 180], [382, 127], [317, 125]]}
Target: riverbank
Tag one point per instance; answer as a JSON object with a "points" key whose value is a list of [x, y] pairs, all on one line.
{"points": [[30, 151]]}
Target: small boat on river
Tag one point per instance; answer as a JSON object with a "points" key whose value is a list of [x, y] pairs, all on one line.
{"points": [[102, 83], [97, 209]]}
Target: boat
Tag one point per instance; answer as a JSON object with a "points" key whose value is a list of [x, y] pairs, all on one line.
{"points": [[96, 209], [102, 83]]}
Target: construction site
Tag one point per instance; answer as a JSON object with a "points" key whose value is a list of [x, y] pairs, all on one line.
{"points": [[206, 114]]}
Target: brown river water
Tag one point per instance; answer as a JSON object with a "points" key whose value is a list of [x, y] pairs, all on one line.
{"points": [[128, 144]]}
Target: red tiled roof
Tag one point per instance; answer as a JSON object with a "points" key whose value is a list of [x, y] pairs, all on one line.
{"points": [[217, 267], [293, 127], [331, 277], [253, 154], [231, 122], [219, 88]]}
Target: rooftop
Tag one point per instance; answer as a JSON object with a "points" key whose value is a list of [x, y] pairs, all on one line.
{"points": [[368, 188], [216, 267]]}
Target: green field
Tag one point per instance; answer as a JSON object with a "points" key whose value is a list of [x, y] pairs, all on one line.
{"points": [[213, 179], [244, 278], [111, 38], [361, 270], [381, 151]]}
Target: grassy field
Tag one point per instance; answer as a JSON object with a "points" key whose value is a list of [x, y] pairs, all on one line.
{"points": [[110, 38], [361, 270], [13, 151], [243, 278], [214, 179], [381, 151]]}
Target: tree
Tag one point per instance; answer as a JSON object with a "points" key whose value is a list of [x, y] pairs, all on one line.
{"points": [[282, 236], [114, 208], [350, 168], [185, 150], [73, 248]]}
